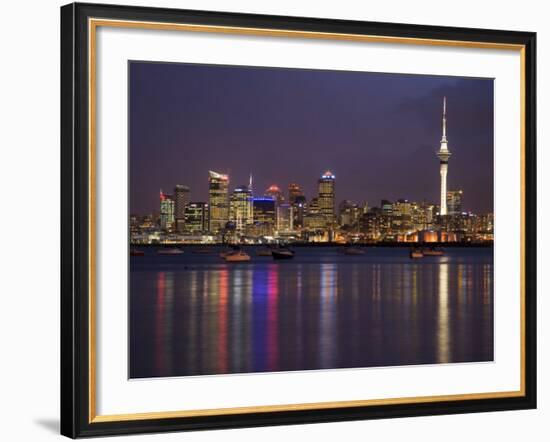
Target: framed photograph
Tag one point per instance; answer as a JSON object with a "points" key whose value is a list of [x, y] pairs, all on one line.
{"points": [[278, 220]]}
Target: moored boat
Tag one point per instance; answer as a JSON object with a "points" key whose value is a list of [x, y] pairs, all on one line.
{"points": [[170, 251], [416, 253], [282, 253], [234, 248], [354, 251], [432, 251], [237, 256], [135, 252]]}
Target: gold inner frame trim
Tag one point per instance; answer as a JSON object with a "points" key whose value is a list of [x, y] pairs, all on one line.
{"points": [[93, 24]]}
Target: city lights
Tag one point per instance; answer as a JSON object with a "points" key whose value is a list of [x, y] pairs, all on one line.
{"points": [[239, 216]]}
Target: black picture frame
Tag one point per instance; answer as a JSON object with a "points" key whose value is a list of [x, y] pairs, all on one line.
{"points": [[75, 221]]}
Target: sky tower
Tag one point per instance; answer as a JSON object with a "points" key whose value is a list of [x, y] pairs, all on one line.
{"points": [[443, 154]]}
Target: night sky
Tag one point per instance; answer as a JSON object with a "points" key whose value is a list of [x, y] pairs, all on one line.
{"points": [[377, 133]]}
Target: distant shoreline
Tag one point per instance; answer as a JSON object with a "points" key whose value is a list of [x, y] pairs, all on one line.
{"points": [[331, 244]]}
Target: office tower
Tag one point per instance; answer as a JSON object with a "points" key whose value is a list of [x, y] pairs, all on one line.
{"points": [[348, 213], [326, 197], [276, 193], [181, 198], [313, 219], [402, 216], [285, 222], [166, 212], [294, 192], [387, 207], [299, 208], [454, 202], [218, 190], [443, 154], [240, 207], [264, 210], [197, 217]]}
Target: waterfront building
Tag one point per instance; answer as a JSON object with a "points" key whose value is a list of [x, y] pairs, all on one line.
{"points": [[257, 230], [218, 192], [326, 186], [166, 212], [197, 217], [443, 154], [181, 198], [454, 202], [240, 207]]}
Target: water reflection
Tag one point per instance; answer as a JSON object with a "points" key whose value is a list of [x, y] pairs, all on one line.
{"points": [[443, 332], [327, 316], [163, 322], [272, 318], [322, 311]]}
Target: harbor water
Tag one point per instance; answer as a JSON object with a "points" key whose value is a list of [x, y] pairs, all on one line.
{"points": [[194, 314]]}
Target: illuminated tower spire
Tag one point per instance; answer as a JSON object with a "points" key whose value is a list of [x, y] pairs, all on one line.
{"points": [[444, 137], [443, 154]]}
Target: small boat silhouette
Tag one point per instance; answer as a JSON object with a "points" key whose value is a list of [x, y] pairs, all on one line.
{"points": [[171, 251], [432, 251], [237, 256], [282, 253]]}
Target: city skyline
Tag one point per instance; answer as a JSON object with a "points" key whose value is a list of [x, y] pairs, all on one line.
{"points": [[386, 149], [259, 193]]}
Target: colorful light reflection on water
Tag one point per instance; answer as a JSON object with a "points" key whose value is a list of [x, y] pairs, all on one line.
{"points": [[194, 315]]}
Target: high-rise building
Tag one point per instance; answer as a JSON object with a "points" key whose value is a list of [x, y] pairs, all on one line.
{"points": [[218, 192], [454, 202], [402, 216], [181, 198], [370, 223], [240, 207], [276, 193], [387, 207], [166, 212], [264, 210], [348, 213], [313, 219], [197, 217], [294, 192], [264, 213], [299, 209], [326, 197], [285, 222], [443, 154]]}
